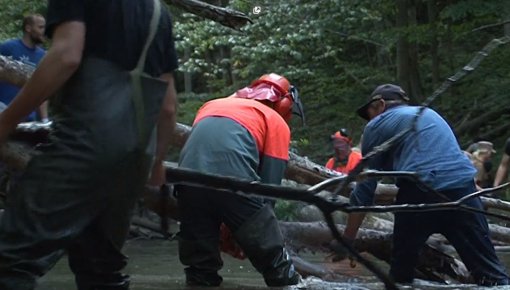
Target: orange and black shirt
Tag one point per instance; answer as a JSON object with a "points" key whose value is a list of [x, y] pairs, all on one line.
{"points": [[240, 138], [353, 160]]}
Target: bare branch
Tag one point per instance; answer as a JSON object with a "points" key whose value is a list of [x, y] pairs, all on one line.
{"points": [[490, 25]]}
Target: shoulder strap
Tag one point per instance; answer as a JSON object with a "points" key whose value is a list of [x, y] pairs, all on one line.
{"points": [[138, 72], [156, 15]]}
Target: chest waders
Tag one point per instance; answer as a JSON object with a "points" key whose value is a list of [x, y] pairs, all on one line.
{"points": [[79, 193]]}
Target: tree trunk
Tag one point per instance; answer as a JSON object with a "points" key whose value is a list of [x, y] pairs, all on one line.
{"points": [[415, 89], [403, 72], [432, 13], [317, 237], [475, 123]]}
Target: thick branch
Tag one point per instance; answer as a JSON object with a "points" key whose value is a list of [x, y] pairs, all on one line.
{"points": [[431, 262], [226, 16], [481, 119]]}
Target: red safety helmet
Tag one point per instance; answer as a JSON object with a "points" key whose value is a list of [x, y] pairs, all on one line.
{"points": [[283, 97], [343, 133], [279, 82]]}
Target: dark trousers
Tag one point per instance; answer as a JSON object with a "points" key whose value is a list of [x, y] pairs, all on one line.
{"points": [[468, 232], [67, 200], [203, 210]]}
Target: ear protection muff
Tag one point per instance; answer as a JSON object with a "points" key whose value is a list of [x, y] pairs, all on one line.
{"points": [[284, 108]]}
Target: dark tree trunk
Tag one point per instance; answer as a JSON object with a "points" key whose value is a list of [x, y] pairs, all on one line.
{"points": [[415, 89], [432, 13], [403, 72]]}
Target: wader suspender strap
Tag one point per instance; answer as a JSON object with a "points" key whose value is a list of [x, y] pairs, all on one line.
{"points": [[136, 77]]}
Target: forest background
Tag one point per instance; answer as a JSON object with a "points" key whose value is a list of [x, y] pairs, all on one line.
{"points": [[336, 52]]}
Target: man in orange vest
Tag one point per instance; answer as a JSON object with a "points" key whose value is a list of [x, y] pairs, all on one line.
{"points": [[345, 158], [245, 136]]}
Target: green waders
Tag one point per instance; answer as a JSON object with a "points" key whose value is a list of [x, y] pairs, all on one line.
{"points": [[79, 193], [262, 241]]}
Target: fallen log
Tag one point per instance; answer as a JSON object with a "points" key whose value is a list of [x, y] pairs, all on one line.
{"points": [[433, 264]]}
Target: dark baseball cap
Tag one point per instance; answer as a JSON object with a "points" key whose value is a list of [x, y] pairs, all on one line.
{"points": [[388, 92]]}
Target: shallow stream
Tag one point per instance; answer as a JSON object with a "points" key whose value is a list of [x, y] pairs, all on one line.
{"points": [[154, 264]]}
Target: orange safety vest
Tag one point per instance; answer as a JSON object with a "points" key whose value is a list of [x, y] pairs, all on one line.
{"points": [[270, 131], [352, 161]]}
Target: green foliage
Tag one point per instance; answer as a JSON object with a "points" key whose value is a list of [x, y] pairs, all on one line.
{"points": [[286, 210], [337, 51], [12, 13]]}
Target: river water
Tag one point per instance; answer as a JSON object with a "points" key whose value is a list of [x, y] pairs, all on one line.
{"points": [[154, 264]]}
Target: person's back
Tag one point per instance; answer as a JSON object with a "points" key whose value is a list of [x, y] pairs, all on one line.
{"points": [[112, 36], [112, 33], [244, 136], [430, 149], [234, 147]]}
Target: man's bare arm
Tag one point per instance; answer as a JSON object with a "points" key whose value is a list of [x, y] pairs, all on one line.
{"points": [[502, 172], [166, 126], [56, 67], [354, 221]]}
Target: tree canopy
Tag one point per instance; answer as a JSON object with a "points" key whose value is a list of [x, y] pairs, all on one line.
{"points": [[336, 52]]}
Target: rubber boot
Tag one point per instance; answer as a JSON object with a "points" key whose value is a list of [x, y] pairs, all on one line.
{"points": [[203, 260], [262, 241], [112, 282]]}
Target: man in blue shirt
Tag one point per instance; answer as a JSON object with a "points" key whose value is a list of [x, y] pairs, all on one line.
{"points": [[28, 51], [430, 150]]}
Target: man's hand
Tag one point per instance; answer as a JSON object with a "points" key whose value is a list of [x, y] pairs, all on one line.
{"points": [[158, 175], [341, 252]]}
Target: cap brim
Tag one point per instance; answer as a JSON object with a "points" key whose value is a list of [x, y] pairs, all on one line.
{"points": [[362, 111]]}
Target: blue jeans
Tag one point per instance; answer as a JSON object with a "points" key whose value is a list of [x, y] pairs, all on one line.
{"points": [[468, 232]]}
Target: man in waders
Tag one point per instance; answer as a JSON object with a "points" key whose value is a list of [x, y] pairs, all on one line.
{"points": [[431, 150], [77, 195], [246, 136]]}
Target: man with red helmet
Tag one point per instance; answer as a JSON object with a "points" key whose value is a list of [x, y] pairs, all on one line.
{"points": [[246, 136], [345, 158]]}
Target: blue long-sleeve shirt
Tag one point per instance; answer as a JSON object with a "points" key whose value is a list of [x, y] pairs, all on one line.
{"points": [[430, 150]]}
